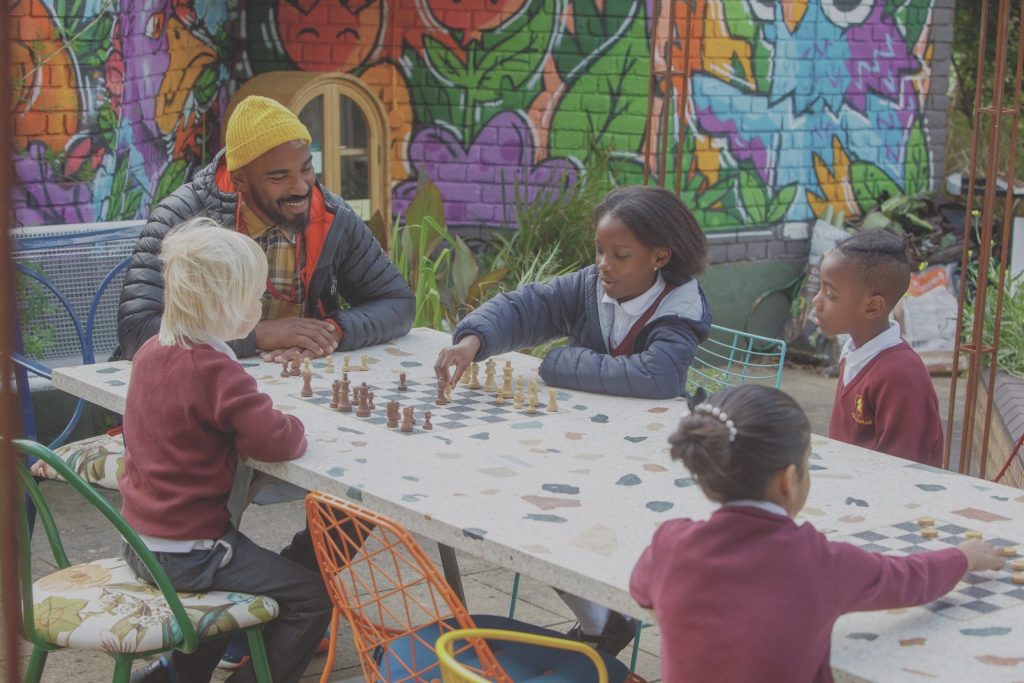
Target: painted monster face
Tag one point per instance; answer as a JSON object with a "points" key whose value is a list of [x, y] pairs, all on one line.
{"points": [[335, 35]]}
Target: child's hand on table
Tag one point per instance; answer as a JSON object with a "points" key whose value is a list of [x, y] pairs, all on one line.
{"points": [[980, 555], [460, 356]]}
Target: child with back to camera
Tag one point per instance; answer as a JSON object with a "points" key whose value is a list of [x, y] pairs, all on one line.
{"points": [[634, 320], [749, 595], [191, 410], [885, 398]]}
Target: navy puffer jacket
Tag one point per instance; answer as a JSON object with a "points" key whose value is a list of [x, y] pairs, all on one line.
{"points": [[570, 306], [352, 265]]}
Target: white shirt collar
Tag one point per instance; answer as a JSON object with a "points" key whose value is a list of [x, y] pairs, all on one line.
{"points": [[636, 307], [765, 505], [218, 345], [857, 357]]}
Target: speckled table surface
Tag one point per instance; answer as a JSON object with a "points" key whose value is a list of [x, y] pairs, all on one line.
{"points": [[573, 497]]}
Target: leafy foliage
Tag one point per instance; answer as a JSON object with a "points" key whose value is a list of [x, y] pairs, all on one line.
{"points": [[33, 304]]}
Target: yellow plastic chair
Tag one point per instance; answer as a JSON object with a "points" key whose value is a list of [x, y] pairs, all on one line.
{"points": [[454, 672]]}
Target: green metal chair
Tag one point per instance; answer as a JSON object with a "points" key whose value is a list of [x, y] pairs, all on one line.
{"points": [[727, 358], [102, 605]]}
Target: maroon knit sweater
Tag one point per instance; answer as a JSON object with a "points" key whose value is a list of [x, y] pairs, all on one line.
{"points": [[890, 407], [750, 596], [189, 414]]}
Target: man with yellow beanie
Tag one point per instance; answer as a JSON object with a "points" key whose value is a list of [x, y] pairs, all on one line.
{"points": [[318, 249]]}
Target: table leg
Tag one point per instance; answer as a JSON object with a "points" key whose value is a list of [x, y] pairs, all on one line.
{"points": [[450, 565]]}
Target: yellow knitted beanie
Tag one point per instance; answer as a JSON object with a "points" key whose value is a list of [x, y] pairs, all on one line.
{"points": [[257, 125]]}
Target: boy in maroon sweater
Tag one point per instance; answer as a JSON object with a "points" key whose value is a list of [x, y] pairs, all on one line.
{"points": [[191, 411], [749, 595], [885, 399]]}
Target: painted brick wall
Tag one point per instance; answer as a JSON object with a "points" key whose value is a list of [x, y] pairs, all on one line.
{"points": [[791, 107]]}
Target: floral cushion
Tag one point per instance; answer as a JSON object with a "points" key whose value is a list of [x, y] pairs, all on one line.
{"points": [[101, 605], [99, 460]]}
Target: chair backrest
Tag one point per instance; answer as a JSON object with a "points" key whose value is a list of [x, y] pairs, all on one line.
{"points": [[454, 671], [389, 591], [69, 282], [23, 448], [731, 358]]}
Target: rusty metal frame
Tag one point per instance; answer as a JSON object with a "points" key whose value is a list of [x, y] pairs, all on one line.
{"points": [[10, 595], [973, 346], [668, 75]]}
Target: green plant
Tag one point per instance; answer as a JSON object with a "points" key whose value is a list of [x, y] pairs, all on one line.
{"points": [[441, 269], [553, 234], [1010, 355], [33, 304]]}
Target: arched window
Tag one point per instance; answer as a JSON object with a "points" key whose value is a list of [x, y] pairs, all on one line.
{"points": [[349, 130]]}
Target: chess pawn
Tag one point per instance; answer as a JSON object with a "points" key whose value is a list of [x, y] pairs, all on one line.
{"points": [[442, 395], [552, 403], [474, 376], [489, 384], [531, 392], [363, 360], [499, 400], [520, 384], [531, 406], [335, 390], [369, 399], [364, 403], [306, 367], [427, 424], [344, 364], [402, 386], [466, 377], [392, 415], [284, 369], [329, 367], [295, 371], [518, 401], [307, 386]]}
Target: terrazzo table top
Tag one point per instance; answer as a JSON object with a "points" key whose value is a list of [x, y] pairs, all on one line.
{"points": [[572, 498]]}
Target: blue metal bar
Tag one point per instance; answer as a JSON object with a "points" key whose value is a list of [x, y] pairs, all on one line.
{"points": [[90, 237]]}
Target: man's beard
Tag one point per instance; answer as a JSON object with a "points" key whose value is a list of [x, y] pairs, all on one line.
{"points": [[297, 224]]}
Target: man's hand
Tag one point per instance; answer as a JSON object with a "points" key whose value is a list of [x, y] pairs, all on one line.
{"points": [[313, 338], [460, 356]]}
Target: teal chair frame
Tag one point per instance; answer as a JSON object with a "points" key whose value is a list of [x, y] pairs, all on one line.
{"points": [[189, 639], [727, 358]]}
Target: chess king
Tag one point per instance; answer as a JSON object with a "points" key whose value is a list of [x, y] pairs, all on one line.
{"points": [[263, 184]]}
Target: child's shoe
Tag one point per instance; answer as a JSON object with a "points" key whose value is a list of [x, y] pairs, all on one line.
{"points": [[157, 671], [237, 652], [618, 632]]}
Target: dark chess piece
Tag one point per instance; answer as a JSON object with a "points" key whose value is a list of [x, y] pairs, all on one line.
{"points": [[335, 390], [307, 385], [442, 395], [372, 404], [284, 369], [427, 424], [363, 410], [402, 386], [392, 415], [407, 420], [295, 371], [344, 404]]}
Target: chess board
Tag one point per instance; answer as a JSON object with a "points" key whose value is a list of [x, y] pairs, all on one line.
{"points": [[468, 407], [977, 593]]}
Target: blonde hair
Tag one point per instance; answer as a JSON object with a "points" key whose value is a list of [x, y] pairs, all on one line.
{"points": [[211, 276]]}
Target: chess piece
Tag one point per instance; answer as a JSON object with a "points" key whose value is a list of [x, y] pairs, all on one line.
{"points": [[329, 367], [407, 421], [499, 400], [306, 367], [442, 395], [370, 400], [307, 386], [284, 369], [344, 404], [344, 364], [531, 392], [402, 386], [518, 401], [363, 360], [489, 384], [427, 424], [520, 384], [466, 377], [506, 384], [335, 390], [392, 415], [531, 406], [474, 376], [552, 403], [364, 402], [295, 371]]}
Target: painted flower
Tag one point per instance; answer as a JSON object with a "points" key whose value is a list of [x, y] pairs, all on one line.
{"points": [[78, 576], [113, 70], [479, 183]]}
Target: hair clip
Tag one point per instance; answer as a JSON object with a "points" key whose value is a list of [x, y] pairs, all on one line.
{"points": [[719, 414]]}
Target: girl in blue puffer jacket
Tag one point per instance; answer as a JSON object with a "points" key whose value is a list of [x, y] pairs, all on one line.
{"points": [[633, 319]]}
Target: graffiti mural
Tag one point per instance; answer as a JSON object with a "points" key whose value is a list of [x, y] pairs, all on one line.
{"points": [[115, 103], [790, 106]]}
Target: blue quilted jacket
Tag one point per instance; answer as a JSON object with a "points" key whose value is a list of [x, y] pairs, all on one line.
{"points": [[570, 306]]}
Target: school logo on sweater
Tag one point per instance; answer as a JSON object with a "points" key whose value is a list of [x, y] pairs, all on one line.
{"points": [[858, 412]]}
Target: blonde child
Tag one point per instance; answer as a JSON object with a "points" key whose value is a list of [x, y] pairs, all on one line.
{"points": [[749, 595], [191, 411]]}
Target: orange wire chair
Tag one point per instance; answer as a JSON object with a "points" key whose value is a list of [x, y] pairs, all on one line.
{"points": [[398, 605]]}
